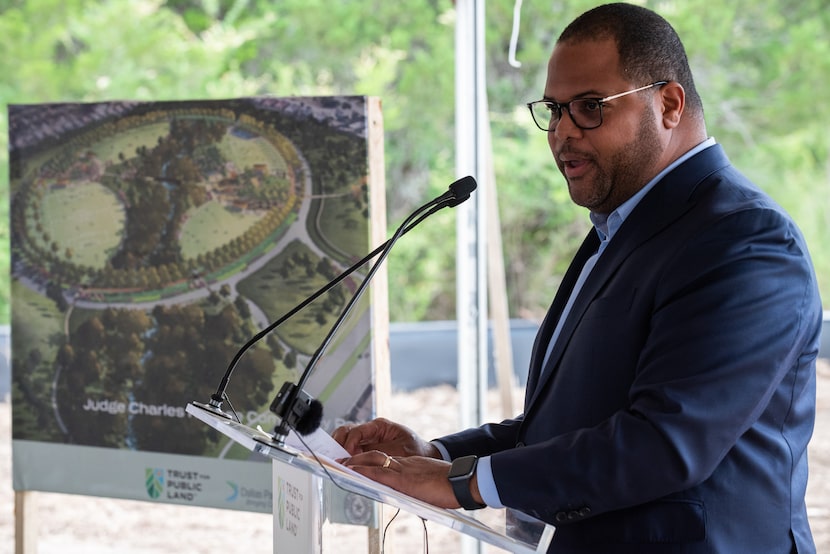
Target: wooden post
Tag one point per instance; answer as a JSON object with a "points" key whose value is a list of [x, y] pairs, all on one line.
{"points": [[379, 291], [499, 313], [25, 522]]}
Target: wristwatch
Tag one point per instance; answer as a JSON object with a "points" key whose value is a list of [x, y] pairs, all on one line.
{"points": [[460, 475]]}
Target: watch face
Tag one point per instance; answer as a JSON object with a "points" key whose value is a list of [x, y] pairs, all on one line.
{"points": [[462, 467]]}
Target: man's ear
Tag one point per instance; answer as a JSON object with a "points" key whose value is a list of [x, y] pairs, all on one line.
{"points": [[673, 98]]}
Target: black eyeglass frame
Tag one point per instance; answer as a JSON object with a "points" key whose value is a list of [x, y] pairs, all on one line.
{"points": [[556, 107]]}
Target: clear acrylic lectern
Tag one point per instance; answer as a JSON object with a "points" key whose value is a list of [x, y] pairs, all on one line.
{"points": [[298, 497]]}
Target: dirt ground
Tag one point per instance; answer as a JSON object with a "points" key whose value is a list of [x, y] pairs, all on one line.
{"points": [[68, 524]]}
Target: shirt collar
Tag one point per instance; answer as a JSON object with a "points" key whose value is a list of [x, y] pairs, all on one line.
{"points": [[607, 225]]}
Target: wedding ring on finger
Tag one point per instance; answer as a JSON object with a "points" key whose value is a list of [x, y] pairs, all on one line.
{"points": [[387, 462]]}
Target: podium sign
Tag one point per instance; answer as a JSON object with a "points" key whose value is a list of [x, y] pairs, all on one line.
{"points": [[297, 510]]}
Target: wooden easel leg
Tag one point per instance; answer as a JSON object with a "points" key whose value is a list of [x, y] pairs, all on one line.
{"points": [[374, 540], [375, 534], [25, 522]]}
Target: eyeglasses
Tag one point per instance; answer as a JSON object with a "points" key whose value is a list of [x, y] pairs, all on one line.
{"points": [[586, 113]]}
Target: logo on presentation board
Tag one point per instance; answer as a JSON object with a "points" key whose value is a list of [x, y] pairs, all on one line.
{"points": [[358, 509], [234, 491], [174, 484], [154, 481], [252, 498]]}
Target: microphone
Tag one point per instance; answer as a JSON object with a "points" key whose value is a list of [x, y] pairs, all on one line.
{"points": [[295, 408], [458, 192]]}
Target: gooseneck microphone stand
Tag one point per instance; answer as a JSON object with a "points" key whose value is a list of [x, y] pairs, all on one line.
{"points": [[295, 408], [305, 416]]}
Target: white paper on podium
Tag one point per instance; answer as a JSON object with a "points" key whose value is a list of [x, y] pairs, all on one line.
{"points": [[319, 442], [507, 529], [321, 445]]}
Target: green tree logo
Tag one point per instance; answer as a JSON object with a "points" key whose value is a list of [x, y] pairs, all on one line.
{"points": [[281, 501], [154, 481]]}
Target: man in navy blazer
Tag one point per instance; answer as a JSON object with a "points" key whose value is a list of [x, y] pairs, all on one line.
{"points": [[671, 391]]}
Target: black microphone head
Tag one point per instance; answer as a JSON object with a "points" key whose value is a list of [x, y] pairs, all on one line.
{"points": [[310, 420], [461, 190]]}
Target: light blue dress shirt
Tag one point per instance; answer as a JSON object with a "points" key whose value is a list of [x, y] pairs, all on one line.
{"points": [[606, 227]]}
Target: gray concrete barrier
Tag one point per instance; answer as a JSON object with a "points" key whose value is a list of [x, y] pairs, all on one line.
{"points": [[422, 354]]}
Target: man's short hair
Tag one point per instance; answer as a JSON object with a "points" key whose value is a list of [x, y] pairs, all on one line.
{"points": [[648, 46]]}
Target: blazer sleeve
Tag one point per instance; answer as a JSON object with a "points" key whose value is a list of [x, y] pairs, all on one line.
{"points": [[484, 440]]}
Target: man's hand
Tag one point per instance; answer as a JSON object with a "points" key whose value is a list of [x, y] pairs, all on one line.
{"points": [[417, 476], [384, 436]]}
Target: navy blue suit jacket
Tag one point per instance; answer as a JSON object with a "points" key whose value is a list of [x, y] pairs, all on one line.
{"points": [[675, 410]]}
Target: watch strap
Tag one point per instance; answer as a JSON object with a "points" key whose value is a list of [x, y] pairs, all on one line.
{"points": [[461, 488]]}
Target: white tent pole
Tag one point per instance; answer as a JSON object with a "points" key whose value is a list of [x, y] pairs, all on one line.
{"points": [[471, 277], [471, 159]]}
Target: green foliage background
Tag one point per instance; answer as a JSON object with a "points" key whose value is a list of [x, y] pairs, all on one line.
{"points": [[761, 65]]}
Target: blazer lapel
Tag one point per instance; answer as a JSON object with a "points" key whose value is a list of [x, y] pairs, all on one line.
{"points": [[665, 203], [586, 250]]}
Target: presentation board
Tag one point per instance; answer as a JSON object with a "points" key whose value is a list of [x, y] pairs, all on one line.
{"points": [[150, 241]]}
